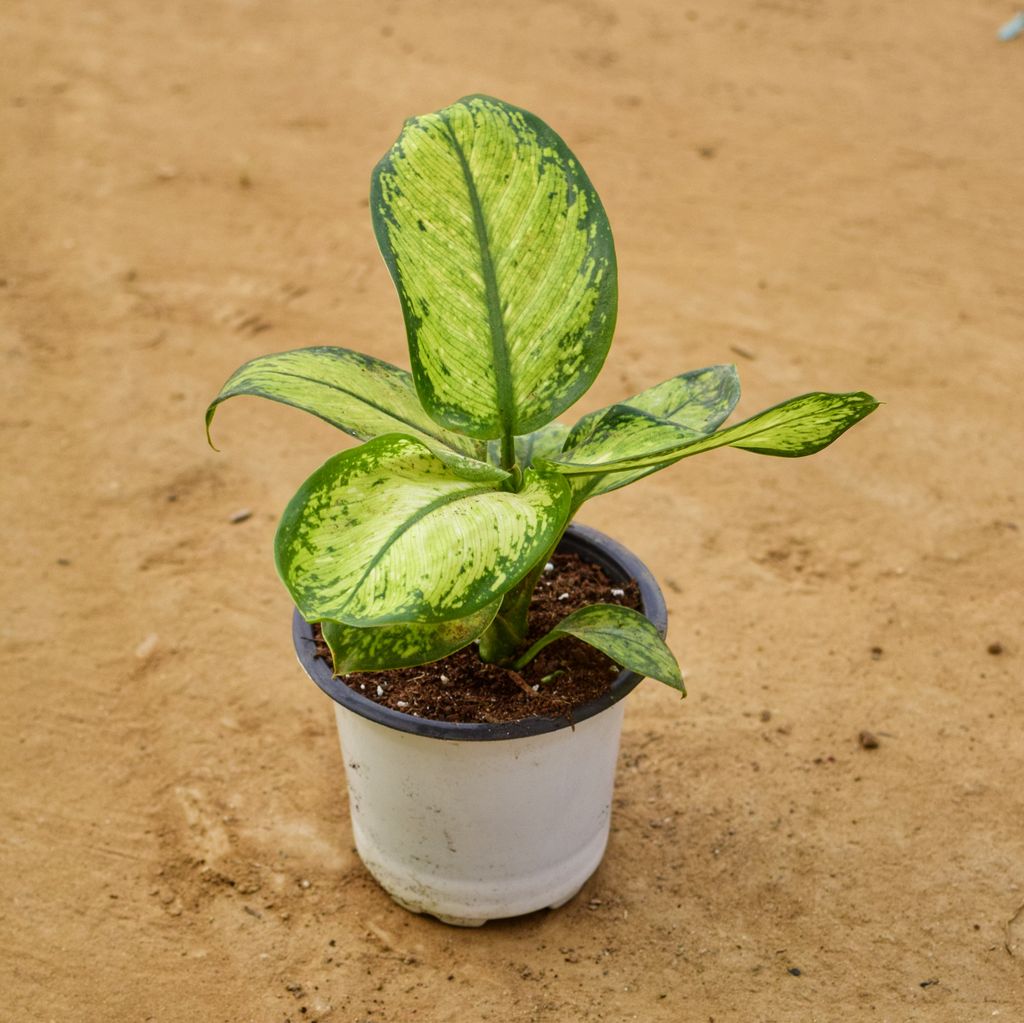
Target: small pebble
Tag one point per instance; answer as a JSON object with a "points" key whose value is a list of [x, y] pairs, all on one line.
{"points": [[995, 649], [794, 971], [563, 596], [616, 592], [868, 740], [549, 567], [876, 653], [401, 704], [147, 647], [445, 679], [304, 883], [240, 516], [380, 690]]}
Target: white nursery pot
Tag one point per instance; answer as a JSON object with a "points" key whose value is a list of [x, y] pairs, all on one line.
{"points": [[473, 822]]}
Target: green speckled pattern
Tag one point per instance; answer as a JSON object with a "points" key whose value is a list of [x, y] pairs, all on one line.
{"points": [[403, 644], [504, 263], [364, 396], [388, 533], [629, 439]]}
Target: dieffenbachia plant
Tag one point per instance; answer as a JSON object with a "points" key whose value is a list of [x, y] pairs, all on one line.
{"points": [[433, 534]]}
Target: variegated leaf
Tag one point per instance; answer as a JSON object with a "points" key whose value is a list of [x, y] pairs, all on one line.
{"points": [[625, 635], [388, 533], [364, 396], [627, 439], [503, 260], [700, 400], [402, 645]]}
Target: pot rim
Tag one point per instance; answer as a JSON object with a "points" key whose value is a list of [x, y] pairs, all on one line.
{"points": [[619, 563]]}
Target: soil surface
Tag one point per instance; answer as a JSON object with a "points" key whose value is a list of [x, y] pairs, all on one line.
{"points": [[562, 676], [826, 194]]}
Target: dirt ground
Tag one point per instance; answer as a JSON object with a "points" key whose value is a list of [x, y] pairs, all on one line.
{"points": [[827, 194]]}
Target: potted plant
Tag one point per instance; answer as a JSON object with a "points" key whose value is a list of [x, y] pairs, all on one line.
{"points": [[430, 540]]}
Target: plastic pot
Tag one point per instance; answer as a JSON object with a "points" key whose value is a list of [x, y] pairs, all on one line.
{"points": [[473, 822]]}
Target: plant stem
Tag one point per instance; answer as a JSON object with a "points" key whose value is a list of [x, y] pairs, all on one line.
{"points": [[508, 452], [506, 635]]}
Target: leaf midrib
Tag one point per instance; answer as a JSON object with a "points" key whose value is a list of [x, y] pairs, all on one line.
{"points": [[407, 524], [496, 321], [391, 414]]}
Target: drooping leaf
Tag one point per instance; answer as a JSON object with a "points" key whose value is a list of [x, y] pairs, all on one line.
{"points": [[625, 635], [628, 439], [403, 644], [504, 263], [364, 396], [388, 533]]}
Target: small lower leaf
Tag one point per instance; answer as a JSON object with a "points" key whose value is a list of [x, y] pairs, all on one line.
{"points": [[403, 645], [625, 635]]}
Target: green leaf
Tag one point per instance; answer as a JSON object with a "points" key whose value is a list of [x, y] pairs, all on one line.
{"points": [[364, 396], [504, 264], [700, 400], [628, 439], [388, 533], [625, 635], [402, 645]]}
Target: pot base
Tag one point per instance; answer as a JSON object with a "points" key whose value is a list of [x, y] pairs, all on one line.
{"points": [[470, 901]]}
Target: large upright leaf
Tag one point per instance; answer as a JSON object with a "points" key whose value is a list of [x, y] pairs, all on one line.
{"points": [[402, 644], [504, 263], [628, 439], [625, 635], [388, 533], [364, 396], [700, 401]]}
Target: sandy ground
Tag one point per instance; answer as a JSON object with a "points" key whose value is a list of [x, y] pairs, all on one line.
{"points": [[828, 194]]}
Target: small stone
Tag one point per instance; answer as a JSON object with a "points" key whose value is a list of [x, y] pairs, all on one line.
{"points": [[616, 592], [445, 679], [240, 516], [401, 704], [995, 649], [563, 596], [380, 690], [147, 647], [876, 653], [304, 883], [794, 971], [868, 740], [549, 567]]}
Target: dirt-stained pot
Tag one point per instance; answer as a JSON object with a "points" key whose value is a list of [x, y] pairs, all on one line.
{"points": [[472, 822]]}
